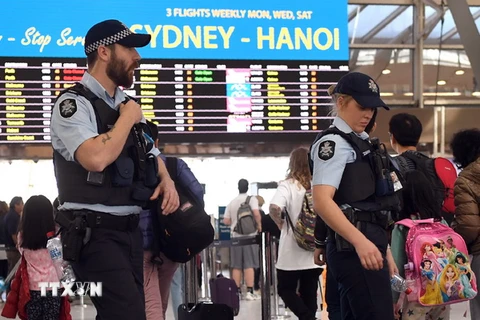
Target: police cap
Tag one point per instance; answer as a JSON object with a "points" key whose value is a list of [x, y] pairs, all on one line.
{"points": [[109, 32], [363, 89]]}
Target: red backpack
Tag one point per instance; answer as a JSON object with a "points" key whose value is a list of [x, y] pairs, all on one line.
{"points": [[447, 173]]}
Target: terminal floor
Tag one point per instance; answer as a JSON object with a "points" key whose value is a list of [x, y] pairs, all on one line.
{"points": [[249, 310]]}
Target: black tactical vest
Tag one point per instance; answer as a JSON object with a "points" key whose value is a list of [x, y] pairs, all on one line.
{"points": [[123, 180], [358, 184]]}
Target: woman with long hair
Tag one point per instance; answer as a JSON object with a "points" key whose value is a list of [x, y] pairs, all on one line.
{"points": [[295, 265]]}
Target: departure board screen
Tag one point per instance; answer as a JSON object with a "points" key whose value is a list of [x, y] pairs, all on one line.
{"points": [[272, 91]]}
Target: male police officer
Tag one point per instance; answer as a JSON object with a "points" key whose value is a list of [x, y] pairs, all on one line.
{"points": [[105, 172]]}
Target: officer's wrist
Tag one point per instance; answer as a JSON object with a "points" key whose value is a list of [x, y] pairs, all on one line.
{"points": [[320, 244]]}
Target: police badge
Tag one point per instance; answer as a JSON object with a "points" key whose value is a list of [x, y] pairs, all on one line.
{"points": [[68, 107], [326, 150]]}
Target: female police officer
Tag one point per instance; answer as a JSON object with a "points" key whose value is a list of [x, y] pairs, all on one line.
{"points": [[348, 199]]}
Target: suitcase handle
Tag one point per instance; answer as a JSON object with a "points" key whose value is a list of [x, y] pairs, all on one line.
{"points": [[194, 306]]}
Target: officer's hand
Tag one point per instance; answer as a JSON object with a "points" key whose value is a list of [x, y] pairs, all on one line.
{"points": [[369, 255], [318, 255], [392, 266], [170, 202], [132, 110]]}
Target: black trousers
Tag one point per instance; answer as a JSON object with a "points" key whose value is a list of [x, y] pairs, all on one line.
{"points": [[332, 296], [115, 258], [304, 304], [364, 294]]}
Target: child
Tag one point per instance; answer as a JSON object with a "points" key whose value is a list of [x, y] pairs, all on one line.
{"points": [[36, 222], [417, 200]]}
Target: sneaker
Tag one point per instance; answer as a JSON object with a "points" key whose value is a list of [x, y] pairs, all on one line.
{"points": [[251, 296]]}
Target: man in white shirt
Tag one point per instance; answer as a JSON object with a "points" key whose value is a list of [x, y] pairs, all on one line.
{"points": [[244, 258]]}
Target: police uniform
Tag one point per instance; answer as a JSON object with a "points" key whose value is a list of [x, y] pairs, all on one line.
{"points": [[102, 204], [332, 297], [345, 165]]}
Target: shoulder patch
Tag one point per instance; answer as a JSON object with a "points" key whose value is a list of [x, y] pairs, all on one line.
{"points": [[68, 107], [326, 150]]}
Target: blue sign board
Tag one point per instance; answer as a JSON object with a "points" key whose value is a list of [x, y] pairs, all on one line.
{"points": [[223, 229], [185, 29]]}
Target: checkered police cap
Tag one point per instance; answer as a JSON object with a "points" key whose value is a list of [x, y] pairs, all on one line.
{"points": [[109, 32]]}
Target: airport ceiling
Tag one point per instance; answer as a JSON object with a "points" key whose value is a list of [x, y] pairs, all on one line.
{"points": [[382, 45]]}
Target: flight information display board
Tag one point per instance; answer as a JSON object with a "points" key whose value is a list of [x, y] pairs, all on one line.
{"points": [[196, 82]]}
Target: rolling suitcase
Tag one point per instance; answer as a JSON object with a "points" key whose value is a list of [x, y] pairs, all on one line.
{"points": [[194, 310], [224, 291], [205, 311]]}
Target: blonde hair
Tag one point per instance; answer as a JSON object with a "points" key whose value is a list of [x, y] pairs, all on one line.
{"points": [[335, 96], [298, 167], [261, 201], [442, 279], [330, 89]]}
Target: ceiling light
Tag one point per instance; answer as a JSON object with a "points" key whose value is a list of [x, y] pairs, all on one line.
{"points": [[476, 94], [442, 94], [441, 82], [386, 94], [459, 72], [386, 71]]}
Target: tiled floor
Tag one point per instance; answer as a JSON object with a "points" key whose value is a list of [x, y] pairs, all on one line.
{"points": [[249, 310]]}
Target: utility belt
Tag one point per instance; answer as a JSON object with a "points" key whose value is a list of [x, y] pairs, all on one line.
{"points": [[76, 227], [358, 218], [102, 220]]}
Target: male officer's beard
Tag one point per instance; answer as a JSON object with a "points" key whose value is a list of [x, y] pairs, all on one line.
{"points": [[119, 73]]}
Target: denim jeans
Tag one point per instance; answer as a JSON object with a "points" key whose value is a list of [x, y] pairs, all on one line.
{"points": [[176, 289]]}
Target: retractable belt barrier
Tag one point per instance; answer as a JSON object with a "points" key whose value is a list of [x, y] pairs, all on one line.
{"points": [[190, 285], [237, 242], [265, 274], [267, 246]]}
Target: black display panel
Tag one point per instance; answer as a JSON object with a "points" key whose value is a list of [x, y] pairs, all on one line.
{"points": [[189, 100]]}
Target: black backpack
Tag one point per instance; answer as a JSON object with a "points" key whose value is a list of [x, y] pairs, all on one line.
{"points": [[186, 232], [413, 160]]}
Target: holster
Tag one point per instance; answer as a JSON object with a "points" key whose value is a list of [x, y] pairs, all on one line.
{"points": [[340, 242], [357, 217], [73, 230]]}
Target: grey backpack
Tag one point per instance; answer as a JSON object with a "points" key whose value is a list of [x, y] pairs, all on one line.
{"points": [[245, 220]]}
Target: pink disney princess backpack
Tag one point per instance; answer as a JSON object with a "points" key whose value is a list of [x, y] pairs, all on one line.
{"points": [[438, 270]]}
